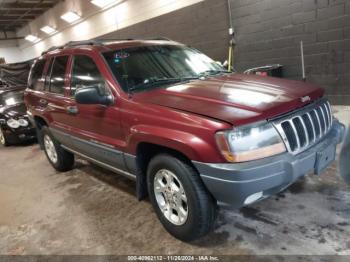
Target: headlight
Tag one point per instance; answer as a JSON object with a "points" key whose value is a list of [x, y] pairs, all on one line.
{"points": [[23, 122], [250, 143], [13, 123]]}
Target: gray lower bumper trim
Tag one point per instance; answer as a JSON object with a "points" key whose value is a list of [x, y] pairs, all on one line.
{"points": [[233, 183]]}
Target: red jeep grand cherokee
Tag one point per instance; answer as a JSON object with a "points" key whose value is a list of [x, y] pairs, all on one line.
{"points": [[190, 133]]}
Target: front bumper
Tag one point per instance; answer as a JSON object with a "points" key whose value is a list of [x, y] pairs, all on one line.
{"points": [[20, 135], [234, 184]]}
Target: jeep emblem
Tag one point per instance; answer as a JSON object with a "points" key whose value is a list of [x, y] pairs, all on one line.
{"points": [[305, 99]]}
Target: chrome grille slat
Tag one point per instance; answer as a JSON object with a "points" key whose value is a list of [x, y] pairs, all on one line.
{"points": [[324, 110], [328, 107], [304, 128], [319, 122], [324, 119], [312, 125], [295, 133]]}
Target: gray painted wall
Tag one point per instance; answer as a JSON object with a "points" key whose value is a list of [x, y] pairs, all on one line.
{"points": [[204, 26], [269, 31]]}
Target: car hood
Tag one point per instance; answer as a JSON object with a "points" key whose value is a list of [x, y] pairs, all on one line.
{"points": [[14, 111], [237, 99]]}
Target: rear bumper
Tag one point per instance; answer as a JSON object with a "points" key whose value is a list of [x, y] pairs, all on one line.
{"points": [[238, 184]]}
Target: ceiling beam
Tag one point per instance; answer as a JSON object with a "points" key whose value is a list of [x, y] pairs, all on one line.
{"points": [[12, 16], [24, 6], [4, 19], [11, 38]]}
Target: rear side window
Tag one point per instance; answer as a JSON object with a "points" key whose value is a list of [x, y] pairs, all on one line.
{"points": [[58, 72], [36, 80], [85, 73]]}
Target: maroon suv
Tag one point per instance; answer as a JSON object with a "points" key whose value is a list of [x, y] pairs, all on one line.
{"points": [[191, 134]]}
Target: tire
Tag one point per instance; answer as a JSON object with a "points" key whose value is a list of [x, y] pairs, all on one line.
{"points": [[59, 158], [197, 213], [3, 139]]}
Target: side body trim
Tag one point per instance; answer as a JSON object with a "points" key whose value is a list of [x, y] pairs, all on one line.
{"points": [[112, 159], [114, 169]]}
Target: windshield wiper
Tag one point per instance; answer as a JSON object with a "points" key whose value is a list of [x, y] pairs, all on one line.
{"points": [[161, 81], [214, 72]]}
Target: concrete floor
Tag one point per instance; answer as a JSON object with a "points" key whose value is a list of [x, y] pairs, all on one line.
{"points": [[92, 211]]}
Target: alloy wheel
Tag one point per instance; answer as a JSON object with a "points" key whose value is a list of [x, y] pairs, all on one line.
{"points": [[2, 138], [171, 197], [50, 149]]}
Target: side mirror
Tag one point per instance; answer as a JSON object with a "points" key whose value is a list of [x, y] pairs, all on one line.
{"points": [[92, 96]]}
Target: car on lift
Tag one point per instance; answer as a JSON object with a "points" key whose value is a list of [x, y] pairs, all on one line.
{"points": [[15, 126], [190, 133]]}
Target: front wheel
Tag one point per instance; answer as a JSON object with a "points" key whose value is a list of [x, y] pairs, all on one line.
{"points": [[180, 199], [60, 159], [3, 139]]}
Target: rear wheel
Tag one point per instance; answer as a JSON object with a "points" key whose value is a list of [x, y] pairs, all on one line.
{"points": [[60, 159], [3, 139], [180, 199]]}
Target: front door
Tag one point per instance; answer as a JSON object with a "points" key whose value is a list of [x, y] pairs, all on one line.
{"points": [[95, 129]]}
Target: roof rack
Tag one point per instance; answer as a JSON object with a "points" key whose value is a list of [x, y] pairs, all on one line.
{"points": [[99, 42], [86, 42], [72, 44]]}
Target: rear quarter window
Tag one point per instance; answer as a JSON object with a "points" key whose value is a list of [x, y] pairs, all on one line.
{"points": [[58, 73], [36, 81]]}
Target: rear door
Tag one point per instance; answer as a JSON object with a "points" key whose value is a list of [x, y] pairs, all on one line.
{"points": [[35, 90], [56, 85]]}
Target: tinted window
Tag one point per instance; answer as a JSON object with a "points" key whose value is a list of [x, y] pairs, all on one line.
{"points": [[35, 81], [58, 75], [85, 73]]}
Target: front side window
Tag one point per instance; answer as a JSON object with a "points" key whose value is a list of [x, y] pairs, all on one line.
{"points": [[85, 73], [146, 67], [58, 72]]}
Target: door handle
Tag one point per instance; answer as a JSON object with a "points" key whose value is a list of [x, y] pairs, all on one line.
{"points": [[72, 110], [43, 102]]}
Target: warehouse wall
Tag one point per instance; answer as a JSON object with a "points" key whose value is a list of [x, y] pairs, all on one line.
{"points": [[94, 22], [11, 54], [269, 31], [203, 25], [9, 48]]}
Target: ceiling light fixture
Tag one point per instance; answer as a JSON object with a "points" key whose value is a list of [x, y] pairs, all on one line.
{"points": [[32, 38], [70, 17], [48, 30], [103, 3]]}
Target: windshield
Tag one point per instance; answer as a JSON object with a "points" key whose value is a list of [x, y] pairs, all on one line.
{"points": [[147, 67], [11, 98]]}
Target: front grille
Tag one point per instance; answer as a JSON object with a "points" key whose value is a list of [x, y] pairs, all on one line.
{"points": [[305, 127]]}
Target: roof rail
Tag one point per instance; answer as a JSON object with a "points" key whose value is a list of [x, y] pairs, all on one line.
{"points": [[52, 49], [100, 42], [160, 38], [136, 39], [86, 42], [72, 44]]}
